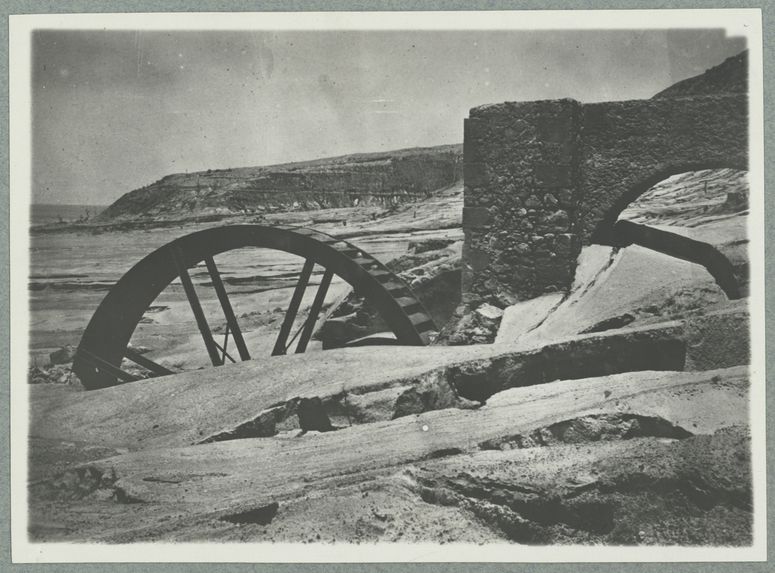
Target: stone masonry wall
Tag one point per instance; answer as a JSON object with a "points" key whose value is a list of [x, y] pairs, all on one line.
{"points": [[520, 167], [627, 147], [544, 178]]}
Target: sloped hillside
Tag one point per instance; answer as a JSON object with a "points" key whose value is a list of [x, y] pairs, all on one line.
{"points": [[386, 179], [730, 76]]}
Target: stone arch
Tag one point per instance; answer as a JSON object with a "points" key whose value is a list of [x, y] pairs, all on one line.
{"points": [[544, 178], [601, 234]]}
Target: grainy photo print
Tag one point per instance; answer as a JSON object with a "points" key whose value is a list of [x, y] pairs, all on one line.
{"points": [[387, 287]]}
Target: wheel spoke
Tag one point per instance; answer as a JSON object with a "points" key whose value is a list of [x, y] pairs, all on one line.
{"points": [[294, 337], [225, 344], [228, 311], [196, 308], [224, 354], [105, 366], [280, 346], [145, 362], [104, 341], [314, 311]]}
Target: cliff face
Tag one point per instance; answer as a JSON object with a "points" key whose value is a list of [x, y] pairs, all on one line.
{"points": [[372, 178]]}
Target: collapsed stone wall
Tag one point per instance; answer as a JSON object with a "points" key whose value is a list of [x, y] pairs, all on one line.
{"points": [[544, 178]]}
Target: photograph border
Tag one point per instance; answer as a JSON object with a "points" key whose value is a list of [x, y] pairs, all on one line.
{"points": [[16, 234]]}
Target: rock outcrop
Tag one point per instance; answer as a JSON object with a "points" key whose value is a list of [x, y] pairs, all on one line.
{"points": [[260, 398], [633, 458]]}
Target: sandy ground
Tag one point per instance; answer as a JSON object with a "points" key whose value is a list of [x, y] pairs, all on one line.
{"points": [[478, 444], [629, 458], [72, 271]]}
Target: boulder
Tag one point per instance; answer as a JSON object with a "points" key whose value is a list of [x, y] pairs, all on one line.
{"points": [[64, 355], [471, 325]]}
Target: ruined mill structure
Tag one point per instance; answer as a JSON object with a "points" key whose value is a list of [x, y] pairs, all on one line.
{"points": [[579, 393], [544, 178]]}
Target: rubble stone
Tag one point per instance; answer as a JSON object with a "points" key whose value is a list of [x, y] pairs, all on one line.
{"points": [[64, 355]]}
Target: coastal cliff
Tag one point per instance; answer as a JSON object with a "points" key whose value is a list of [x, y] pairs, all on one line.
{"points": [[385, 179]]}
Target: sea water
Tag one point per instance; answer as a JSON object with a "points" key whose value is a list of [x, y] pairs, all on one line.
{"points": [[46, 213]]}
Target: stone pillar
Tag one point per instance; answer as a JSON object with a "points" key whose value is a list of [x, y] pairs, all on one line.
{"points": [[519, 215]]}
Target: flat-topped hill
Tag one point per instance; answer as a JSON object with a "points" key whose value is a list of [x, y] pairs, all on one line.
{"points": [[386, 178]]}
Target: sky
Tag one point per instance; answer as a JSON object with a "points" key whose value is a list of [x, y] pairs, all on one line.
{"points": [[117, 110]]}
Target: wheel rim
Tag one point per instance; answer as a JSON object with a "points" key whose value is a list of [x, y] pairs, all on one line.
{"points": [[105, 342]]}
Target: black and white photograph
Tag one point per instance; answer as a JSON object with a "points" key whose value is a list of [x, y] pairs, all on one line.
{"points": [[400, 286]]}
